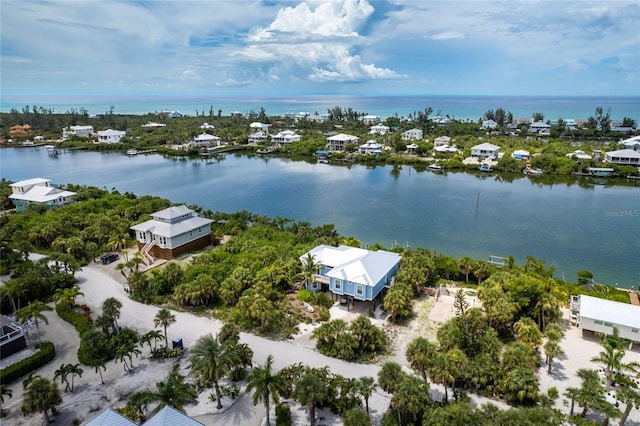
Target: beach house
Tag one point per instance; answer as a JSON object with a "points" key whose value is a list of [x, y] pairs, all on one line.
{"points": [[286, 136], [485, 150], [441, 141], [631, 143], [352, 272], [623, 157], [79, 131], [257, 137], [38, 191], [167, 416], [205, 139], [371, 119], [600, 315], [379, 129], [412, 135], [370, 148], [521, 154], [111, 136], [339, 141], [172, 232], [539, 127], [489, 124]]}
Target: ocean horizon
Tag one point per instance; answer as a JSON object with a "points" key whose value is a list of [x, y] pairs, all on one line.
{"points": [[461, 107]]}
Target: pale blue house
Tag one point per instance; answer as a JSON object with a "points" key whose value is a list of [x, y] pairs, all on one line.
{"points": [[353, 272]]}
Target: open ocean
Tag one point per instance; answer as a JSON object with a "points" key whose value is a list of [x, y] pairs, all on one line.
{"points": [[459, 107]]}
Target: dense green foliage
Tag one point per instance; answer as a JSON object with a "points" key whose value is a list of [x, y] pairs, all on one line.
{"points": [[81, 323], [358, 341], [45, 353]]}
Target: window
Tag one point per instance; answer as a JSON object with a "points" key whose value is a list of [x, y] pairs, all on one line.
{"points": [[598, 322], [338, 284], [608, 324], [359, 289], [634, 330]]}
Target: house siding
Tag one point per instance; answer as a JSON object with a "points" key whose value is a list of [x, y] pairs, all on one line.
{"points": [[600, 326], [171, 253]]}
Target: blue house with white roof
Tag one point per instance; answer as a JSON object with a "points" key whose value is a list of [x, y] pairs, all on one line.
{"points": [[355, 272]]}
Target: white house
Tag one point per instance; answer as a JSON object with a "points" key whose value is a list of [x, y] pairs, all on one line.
{"points": [[441, 141], [257, 137], [412, 135], [489, 124], [339, 141], [539, 126], [600, 315], [371, 148], [379, 129], [371, 119], [38, 191], [286, 136], [411, 148], [258, 125], [623, 157], [485, 150], [579, 155], [631, 143], [110, 136], [205, 126], [444, 149], [442, 121], [205, 139], [172, 232], [80, 131]]}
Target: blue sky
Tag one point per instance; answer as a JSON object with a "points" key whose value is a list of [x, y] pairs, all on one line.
{"points": [[320, 47]]}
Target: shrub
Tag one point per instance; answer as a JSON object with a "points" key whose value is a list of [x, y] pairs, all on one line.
{"points": [[325, 316], [324, 300], [21, 368], [81, 322], [283, 415], [305, 295]]}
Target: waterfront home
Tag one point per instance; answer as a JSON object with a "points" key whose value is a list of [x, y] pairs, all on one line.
{"points": [[485, 150], [379, 129], [339, 141], [110, 136], [39, 191], [412, 135], [489, 124], [79, 131], [349, 271], [623, 157], [257, 137], [521, 154], [441, 141], [446, 149], [286, 136], [371, 119], [411, 148], [601, 316], [579, 155], [370, 148], [539, 127], [205, 140], [631, 143], [11, 337], [172, 232]]}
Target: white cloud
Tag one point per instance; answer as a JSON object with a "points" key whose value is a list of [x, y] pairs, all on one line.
{"points": [[448, 35]]}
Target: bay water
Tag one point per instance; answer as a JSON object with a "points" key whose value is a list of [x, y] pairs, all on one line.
{"points": [[572, 223]]}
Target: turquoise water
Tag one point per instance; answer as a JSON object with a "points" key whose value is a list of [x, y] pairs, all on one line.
{"points": [[572, 223], [460, 107]]}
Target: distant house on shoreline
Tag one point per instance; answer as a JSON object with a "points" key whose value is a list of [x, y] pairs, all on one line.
{"points": [[39, 191], [412, 135], [485, 150], [205, 139], [340, 141], [172, 232], [623, 157], [79, 131], [111, 136]]}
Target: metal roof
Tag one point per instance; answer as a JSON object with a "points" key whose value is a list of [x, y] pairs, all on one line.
{"points": [[610, 311], [110, 417], [169, 416]]}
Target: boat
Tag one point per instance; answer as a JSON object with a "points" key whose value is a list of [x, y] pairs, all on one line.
{"points": [[533, 172], [485, 168], [269, 150], [434, 166], [132, 152], [52, 149]]}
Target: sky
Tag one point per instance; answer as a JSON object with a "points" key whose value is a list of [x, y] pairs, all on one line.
{"points": [[568, 48]]}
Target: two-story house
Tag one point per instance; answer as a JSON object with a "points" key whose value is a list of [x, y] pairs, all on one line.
{"points": [[38, 191], [340, 141]]}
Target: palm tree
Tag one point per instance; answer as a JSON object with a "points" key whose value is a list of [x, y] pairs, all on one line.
{"points": [[4, 391], [366, 386], [164, 318], [111, 309], [67, 296], [420, 353], [591, 392], [174, 391], [151, 336], [99, 366], [33, 311], [466, 265], [74, 370], [629, 396], [611, 359], [212, 360], [13, 289], [573, 394], [311, 390], [528, 332], [268, 386], [62, 373], [41, 395], [309, 270], [552, 350]]}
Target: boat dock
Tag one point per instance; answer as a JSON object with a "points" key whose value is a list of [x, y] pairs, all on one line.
{"points": [[136, 152]]}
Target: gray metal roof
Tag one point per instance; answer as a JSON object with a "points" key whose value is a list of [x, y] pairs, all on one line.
{"points": [[169, 416], [110, 417]]}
